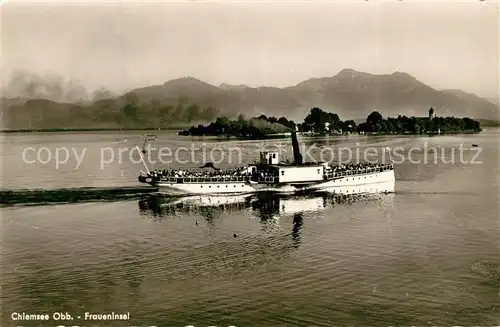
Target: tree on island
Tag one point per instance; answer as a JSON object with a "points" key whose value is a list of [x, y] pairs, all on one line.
{"points": [[319, 121], [374, 118]]}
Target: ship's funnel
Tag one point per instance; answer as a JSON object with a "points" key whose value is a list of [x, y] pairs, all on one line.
{"points": [[297, 157]]}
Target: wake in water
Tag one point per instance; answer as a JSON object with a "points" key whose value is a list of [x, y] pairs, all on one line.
{"points": [[95, 194], [71, 195], [488, 270]]}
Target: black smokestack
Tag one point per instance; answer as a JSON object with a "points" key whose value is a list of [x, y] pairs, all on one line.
{"points": [[297, 157]]}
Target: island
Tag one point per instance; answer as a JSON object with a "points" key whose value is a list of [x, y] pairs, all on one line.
{"points": [[321, 123]]}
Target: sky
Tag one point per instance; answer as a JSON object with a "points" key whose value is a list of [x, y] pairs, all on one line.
{"points": [[447, 45]]}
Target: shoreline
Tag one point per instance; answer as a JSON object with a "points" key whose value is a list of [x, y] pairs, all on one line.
{"points": [[272, 136], [63, 130], [228, 137]]}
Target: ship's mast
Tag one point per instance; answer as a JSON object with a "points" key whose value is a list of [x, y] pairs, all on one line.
{"points": [[147, 138]]}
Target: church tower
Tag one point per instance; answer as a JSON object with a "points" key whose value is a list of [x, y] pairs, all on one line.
{"points": [[431, 113]]}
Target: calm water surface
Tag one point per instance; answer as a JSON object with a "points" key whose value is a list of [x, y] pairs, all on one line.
{"points": [[398, 259]]}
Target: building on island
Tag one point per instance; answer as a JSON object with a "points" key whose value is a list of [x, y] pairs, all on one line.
{"points": [[431, 113]]}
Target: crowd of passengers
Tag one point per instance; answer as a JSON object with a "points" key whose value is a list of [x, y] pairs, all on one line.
{"points": [[342, 168], [195, 174], [356, 168]]}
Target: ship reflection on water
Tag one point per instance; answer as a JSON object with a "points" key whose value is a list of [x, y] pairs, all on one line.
{"points": [[267, 207], [264, 205], [297, 226]]}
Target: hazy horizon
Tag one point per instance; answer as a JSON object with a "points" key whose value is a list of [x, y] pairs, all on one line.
{"points": [[128, 45]]}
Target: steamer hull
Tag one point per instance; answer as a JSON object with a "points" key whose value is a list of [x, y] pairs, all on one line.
{"points": [[379, 182]]}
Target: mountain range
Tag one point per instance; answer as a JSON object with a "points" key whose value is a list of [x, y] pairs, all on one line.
{"points": [[351, 94]]}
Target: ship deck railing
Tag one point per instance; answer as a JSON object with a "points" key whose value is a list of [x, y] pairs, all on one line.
{"points": [[196, 179], [358, 172], [203, 179]]}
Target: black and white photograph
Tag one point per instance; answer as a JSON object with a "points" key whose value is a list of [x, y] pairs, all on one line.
{"points": [[250, 163]]}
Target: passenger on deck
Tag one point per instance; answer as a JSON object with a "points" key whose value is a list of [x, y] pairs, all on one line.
{"points": [[358, 168]]}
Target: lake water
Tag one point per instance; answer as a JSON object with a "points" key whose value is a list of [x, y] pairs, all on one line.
{"points": [[398, 259]]}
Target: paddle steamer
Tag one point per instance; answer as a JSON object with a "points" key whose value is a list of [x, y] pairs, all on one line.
{"points": [[271, 175]]}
